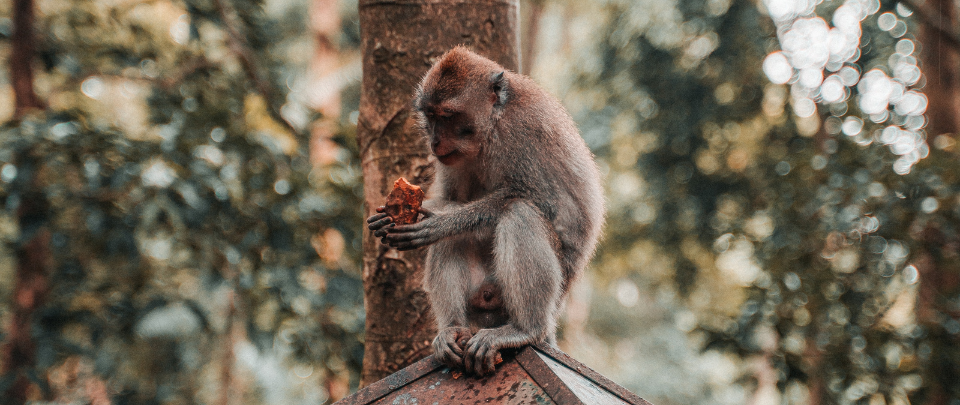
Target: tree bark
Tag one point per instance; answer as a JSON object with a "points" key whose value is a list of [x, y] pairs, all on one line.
{"points": [[940, 57], [401, 39], [941, 66], [21, 59]]}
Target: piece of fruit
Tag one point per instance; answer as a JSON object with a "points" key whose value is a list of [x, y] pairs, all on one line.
{"points": [[403, 203]]}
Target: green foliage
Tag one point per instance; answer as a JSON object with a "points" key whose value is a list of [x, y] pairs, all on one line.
{"points": [[794, 246], [199, 252], [187, 221]]}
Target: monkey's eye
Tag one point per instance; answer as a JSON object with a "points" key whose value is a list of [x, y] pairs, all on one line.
{"points": [[443, 119], [445, 113], [466, 131]]}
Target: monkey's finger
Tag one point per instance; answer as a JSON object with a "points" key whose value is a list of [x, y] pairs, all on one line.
{"points": [[408, 229], [379, 223], [406, 233], [398, 242], [478, 366], [491, 361], [413, 244], [426, 212], [395, 237], [381, 226], [382, 232], [376, 217]]}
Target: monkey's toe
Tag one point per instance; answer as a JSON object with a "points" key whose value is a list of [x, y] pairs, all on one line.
{"points": [[447, 356], [481, 354], [482, 361], [446, 347]]}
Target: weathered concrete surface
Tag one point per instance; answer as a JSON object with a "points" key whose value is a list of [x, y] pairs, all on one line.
{"points": [[535, 375]]}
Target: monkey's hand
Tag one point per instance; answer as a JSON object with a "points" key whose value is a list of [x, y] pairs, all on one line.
{"points": [[378, 223], [449, 343], [483, 349], [408, 237]]}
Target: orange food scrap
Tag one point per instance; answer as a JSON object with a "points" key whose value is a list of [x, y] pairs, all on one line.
{"points": [[456, 374], [403, 203]]}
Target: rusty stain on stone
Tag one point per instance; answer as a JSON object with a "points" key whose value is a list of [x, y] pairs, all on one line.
{"points": [[538, 374]]}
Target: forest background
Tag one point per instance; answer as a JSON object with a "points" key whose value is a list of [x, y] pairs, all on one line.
{"points": [[181, 202]]}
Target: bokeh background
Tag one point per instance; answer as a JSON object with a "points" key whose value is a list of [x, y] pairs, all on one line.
{"points": [[181, 214]]}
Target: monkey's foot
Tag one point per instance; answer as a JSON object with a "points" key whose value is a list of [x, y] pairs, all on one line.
{"points": [[483, 349], [449, 344]]}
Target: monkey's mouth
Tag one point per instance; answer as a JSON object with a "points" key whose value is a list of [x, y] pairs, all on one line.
{"points": [[449, 158]]}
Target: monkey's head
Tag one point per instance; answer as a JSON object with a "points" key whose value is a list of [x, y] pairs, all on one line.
{"points": [[458, 103]]}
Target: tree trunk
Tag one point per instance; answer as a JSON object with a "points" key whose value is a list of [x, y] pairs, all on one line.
{"points": [[21, 59], [34, 259], [400, 40], [528, 46], [941, 66], [940, 57], [31, 287]]}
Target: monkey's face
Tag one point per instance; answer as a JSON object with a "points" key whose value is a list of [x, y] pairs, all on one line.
{"points": [[455, 105], [454, 126], [453, 135]]}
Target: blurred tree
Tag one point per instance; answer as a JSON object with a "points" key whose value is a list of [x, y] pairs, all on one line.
{"points": [[792, 237], [940, 55], [399, 326], [32, 267], [21, 57], [533, 12], [195, 255], [937, 242]]}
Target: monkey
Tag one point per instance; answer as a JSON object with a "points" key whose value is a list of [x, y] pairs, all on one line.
{"points": [[513, 215]]}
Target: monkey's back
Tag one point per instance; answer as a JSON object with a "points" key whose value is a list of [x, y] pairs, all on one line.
{"points": [[554, 168]]}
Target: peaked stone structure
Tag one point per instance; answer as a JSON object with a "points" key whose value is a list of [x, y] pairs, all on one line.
{"points": [[537, 374]]}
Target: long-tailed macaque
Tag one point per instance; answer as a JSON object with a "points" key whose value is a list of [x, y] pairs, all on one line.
{"points": [[513, 215]]}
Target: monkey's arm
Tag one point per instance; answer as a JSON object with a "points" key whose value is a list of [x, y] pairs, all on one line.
{"points": [[378, 223], [452, 220]]}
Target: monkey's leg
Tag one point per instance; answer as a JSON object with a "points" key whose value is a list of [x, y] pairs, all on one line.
{"points": [[446, 280], [528, 271]]}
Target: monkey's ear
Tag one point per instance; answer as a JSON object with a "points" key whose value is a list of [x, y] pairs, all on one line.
{"points": [[501, 87]]}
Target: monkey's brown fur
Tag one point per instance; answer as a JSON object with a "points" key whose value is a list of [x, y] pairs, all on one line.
{"points": [[514, 213]]}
